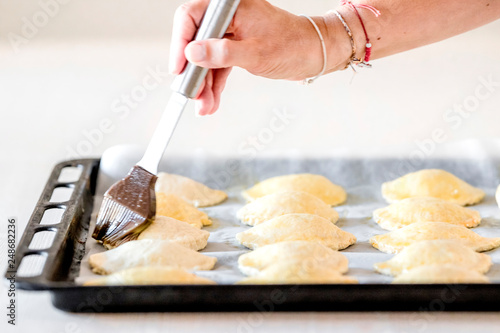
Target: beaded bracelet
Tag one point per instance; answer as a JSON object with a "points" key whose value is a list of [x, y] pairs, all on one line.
{"points": [[368, 45], [353, 58]]}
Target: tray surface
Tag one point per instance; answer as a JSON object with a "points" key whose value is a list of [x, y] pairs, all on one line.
{"points": [[64, 268]]}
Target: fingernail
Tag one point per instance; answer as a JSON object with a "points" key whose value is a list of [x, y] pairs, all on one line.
{"points": [[197, 52]]}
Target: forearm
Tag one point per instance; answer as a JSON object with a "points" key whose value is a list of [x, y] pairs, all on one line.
{"points": [[406, 24], [273, 43]]}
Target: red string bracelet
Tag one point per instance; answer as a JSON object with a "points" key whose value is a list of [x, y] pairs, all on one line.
{"points": [[368, 45]]}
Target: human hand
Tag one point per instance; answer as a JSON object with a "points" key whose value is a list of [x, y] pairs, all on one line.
{"points": [[263, 39]]}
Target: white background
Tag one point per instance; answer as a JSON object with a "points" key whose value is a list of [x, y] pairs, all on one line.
{"points": [[70, 75]]}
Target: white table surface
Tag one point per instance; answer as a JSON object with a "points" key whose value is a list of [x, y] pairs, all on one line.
{"points": [[55, 91]]}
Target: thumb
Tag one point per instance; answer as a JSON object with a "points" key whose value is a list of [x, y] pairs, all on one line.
{"points": [[220, 53]]}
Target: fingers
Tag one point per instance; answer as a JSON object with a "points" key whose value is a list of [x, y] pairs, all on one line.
{"points": [[214, 53], [220, 79], [205, 101], [208, 100], [186, 21], [221, 53]]}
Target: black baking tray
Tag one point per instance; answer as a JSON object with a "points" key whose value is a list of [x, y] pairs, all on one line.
{"points": [[63, 259]]}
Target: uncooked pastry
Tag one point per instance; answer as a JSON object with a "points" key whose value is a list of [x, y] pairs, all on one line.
{"points": [[173, 206], [282, 203], [293, 227], [424, 209], [316, 185], [432, 183], [149, 275], [441, 274], [189, 190], [292, 272], [395, 241], [168, 228], [308, 253], [435, 252], [149, 252]]}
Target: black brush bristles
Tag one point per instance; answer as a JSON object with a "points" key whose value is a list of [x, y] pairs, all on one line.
{"points": [[128, 208]]}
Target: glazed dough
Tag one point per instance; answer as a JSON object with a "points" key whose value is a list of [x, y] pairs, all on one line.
{"points": [[173, 206], [448, 273], [291, 272], [435, 252], [395, 241], [189, 190], [148, 252], [149, 275], [424, 209], [292, 227], [167, 228], [282, 203], [432, 183], [308, 253], [316, 185]]}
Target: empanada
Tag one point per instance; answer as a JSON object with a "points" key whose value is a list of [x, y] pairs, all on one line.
{"points": [[285, 272], [168, 228], [316, 185], [424, 209], [172, 206], [448, 273], [291, 227], [149, 275], [282, 203], [149, 252], [307, 253], [395, 241], [432, 183], [435, 252], [189, 190]]}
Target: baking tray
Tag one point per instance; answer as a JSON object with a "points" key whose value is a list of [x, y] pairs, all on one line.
{"points": [[61, 260]]}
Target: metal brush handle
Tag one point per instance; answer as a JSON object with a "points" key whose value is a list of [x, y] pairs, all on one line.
{"points": [[217, 18], [214, 25]]}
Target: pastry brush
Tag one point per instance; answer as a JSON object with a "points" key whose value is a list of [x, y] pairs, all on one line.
{"points": [[130, 205]]}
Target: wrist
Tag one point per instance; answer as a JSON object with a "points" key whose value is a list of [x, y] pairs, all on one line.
{"points": [[338, 44], [357, 41], [339, 50], [310, 47]]}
